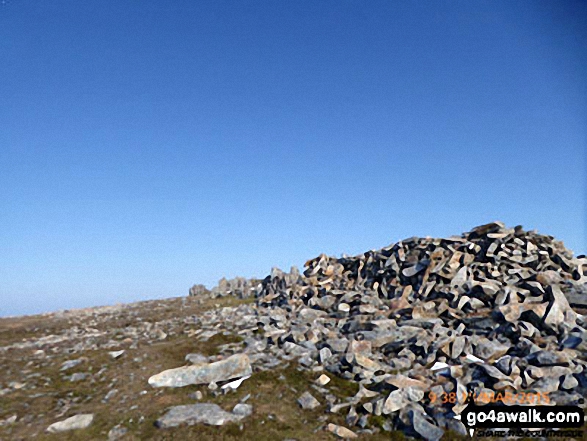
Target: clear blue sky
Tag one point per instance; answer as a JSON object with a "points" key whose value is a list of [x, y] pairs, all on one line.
{"points": [[146, 146]]}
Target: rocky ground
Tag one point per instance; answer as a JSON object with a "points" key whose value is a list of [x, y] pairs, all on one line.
{"points": [[56, 366], [385, 345]]}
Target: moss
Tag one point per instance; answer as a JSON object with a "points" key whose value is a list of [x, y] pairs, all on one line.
{"points": [[396, 435], [377, 420], [341, 387], [451, 435]]}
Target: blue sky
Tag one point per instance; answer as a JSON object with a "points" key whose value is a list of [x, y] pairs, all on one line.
{"points": [[146, 146]]}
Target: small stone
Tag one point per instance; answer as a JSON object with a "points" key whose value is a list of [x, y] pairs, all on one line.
{"points": [[116, 354], [70, 364], [109, 395], [243, 410], [428, 431], [395, 401], [8, 421], [340, 431], [197, 395], [324, 354], [117, 432], [337, 344], [323, 380], [200, 413], [196, 359], [490, 350], [308, 402], [78, 376], [570, 382]]}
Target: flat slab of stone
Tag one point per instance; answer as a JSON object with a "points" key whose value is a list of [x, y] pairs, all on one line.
{"points": [[341, 432], [200, 413], [72, 423], [235, 366]]}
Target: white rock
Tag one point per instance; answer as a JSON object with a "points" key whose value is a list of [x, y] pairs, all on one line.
{"points": [[75, 422]]}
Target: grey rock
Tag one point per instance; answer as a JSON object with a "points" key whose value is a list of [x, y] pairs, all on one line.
{"points": [[75, 422], [341, 432], [198, 290], [307, 401], [116, 354], [427, 430], [78, 376], [235, 366], [71, 364], [243, 410], [196, 359], [117, 432], [109, 395], [200, 413], [197, 395]]}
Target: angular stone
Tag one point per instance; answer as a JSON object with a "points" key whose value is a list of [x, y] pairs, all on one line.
{"points": [[116, 354], [71, 364], [117, 432], [323, 380], [490, 350], [427, 430], [457, 346], [395, 401], [401, 381], [308, 402], [569, 382], [366, 362], [324, 354], [243, 410], [337, 344], [560, 311], [341, 432]]}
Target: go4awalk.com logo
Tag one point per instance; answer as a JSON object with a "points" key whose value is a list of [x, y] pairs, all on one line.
{"points": [[510, 419]]}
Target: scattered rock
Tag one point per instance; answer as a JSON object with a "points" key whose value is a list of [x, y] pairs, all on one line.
{"points": [[427, 430], [200, 413], [71, 364], [117, 432], [196, 359], [8, 421], [341, 432], [116, 354], [243, 410], [307, 401], [323, 380], [197, 395], [72, 423]]}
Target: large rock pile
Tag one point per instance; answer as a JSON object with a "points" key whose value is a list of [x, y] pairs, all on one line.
{"points": [[425, 323]]}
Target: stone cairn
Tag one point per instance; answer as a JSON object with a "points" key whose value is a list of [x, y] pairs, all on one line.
{"points": [[239, 287], [422, 326], [494, 310]]}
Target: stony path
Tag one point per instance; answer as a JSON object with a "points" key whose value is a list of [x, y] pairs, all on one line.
{"points": [[98, 361]]}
